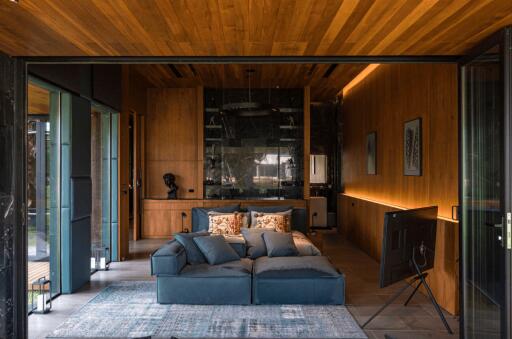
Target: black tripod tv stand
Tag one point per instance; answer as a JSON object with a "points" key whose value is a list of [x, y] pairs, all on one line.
{"points": [[418, 279]]}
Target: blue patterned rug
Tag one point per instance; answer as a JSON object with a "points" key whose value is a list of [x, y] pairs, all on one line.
{"points": [[129, 310]]}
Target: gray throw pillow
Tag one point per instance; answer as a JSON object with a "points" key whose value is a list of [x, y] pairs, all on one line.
{"points": [[280, 244], [194, 255], [215, 249], [255, 244]]}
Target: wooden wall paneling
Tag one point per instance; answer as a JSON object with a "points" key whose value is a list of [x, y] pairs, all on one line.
{"points": [[124, 177], [171, 141], [136, 176], [362, 222], [200, 142], [206, 28], [382, 102], [307, 139], [163, 218]]}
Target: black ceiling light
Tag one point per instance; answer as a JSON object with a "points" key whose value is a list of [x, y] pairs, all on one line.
{"points": [[249, 108]]}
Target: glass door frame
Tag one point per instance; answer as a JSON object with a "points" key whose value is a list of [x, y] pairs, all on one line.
{"points": [[55, 94], [113, 177], [503, 38]]}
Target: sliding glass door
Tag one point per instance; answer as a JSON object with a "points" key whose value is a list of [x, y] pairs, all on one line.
{"points": [[104, 185], [485, 184], [43, 196]]}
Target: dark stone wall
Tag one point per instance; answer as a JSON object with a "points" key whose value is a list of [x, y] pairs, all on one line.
{"points": [[13, 299]]}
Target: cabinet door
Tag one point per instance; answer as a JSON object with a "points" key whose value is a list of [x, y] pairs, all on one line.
{"points": [[158, 223]]}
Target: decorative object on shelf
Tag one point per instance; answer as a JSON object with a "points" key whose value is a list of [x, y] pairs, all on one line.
{"points": [[170, 181], [291, 121], [412, 147], [371, 153], [99, 258], [44, 295]]}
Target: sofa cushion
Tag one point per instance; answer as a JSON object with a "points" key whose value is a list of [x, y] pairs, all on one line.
{"points": [[279, 222], [194, 255], [200, 216], [224, 223], [266, 209], [226, 284], [279, 244], [168, 259], [255, 244], [237, 242], [294, 267], [238, 268], [304, 245], [215, 249], [300, 220]]}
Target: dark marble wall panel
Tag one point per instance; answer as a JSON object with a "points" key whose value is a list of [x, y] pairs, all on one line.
{"points": [[12, 196]]}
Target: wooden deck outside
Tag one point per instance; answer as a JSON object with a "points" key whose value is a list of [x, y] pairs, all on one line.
{"points": [[36, 270]]}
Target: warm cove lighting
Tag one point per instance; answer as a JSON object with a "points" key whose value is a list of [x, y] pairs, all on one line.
{"points": [[364, 73]]}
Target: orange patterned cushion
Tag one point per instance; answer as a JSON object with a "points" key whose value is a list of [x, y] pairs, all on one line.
{"points": [[277, 222], [224, 223]]}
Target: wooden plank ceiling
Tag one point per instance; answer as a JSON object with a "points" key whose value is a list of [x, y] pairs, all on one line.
{"points": [[247, 27], [325, 80]]}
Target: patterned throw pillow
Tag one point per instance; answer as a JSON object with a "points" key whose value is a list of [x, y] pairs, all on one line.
{"points": [[273, 221], [224, 223]]}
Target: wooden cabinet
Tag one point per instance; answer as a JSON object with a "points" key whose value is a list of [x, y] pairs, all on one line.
{"points": [[163, 218]]}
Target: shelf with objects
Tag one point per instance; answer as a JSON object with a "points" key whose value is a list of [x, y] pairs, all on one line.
{"points": [[253, 143]]}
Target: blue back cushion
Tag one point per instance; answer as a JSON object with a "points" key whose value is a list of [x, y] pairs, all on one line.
{"points": [[200, 216], [300, 220], [194, 255]]}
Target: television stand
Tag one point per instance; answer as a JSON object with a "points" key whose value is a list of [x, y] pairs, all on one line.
{"points": [[420, 276]]}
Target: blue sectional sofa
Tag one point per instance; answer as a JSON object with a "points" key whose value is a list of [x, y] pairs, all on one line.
{"points": [[308, 279]]}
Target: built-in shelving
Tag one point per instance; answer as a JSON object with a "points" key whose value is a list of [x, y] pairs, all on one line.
{"points": [[250, 156]]}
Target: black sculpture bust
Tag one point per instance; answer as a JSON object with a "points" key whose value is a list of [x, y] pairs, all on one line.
{"points": [[170, 181]]}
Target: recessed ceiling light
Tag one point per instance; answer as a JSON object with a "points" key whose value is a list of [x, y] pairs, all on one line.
{"points": [[15, 1]]}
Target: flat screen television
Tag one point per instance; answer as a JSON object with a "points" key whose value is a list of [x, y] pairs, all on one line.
{"points": [[404, 231]]}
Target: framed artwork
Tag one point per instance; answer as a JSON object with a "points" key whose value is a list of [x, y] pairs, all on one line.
{"points": [[371, 153], [412, 147]]}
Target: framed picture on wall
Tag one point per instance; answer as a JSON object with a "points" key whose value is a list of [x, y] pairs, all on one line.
{"points": [[412, 147], [371, 153]]}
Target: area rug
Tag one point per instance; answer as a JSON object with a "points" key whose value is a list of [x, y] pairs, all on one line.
{"points": [[129, 310]]}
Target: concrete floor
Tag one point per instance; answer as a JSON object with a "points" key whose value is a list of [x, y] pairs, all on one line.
{"points": [[364, 297]]}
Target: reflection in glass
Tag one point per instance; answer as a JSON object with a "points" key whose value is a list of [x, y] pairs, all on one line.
{"points": [[253, 144], [101, 187], [483, 252], [43, 204]]}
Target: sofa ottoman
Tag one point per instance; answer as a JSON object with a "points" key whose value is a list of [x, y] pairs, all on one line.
{"points": [[200, 284], [204, 284], [297, 280]]}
